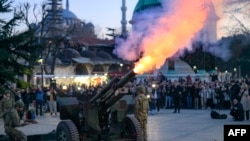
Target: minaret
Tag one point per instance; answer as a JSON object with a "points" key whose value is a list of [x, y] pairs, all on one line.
{"points": [[67, 4], [54, 13], [209, 32], [124, 21]]}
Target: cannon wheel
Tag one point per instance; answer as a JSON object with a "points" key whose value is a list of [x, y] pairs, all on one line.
{"points": [[67, 131], [132, 130]]}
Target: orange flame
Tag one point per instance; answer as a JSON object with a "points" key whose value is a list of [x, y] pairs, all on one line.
{"points": [[172, 34]]}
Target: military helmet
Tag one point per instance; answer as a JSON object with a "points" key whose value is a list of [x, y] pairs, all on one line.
{"points": [[7, 92], [140, 89], [19, 104]]}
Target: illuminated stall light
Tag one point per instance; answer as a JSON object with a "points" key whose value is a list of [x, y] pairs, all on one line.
{"points": [[64, 87], [79, 88]]}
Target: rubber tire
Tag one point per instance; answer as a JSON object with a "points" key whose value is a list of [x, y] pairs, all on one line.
{"points": [[132, 129], [67, 131]]}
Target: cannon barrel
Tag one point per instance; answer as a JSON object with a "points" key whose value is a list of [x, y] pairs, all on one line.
{"points": [[109, 98], [103, 90], [131, 74], [108, 91]]}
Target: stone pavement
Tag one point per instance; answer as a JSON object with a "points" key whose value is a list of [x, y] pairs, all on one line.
{"points": [[189, 125]]}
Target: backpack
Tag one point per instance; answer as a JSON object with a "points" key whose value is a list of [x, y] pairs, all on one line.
{"points": [[216, 115], [30, 115]]}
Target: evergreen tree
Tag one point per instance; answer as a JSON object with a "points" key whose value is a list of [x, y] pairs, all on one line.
{"points": [[17, 50]]}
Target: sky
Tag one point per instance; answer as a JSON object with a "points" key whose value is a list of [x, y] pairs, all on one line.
{"points": [[102, 13], [107, 13]]}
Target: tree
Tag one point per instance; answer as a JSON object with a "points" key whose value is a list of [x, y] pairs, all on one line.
{"points": [[18, 50], [52, 34], [238, 15]]}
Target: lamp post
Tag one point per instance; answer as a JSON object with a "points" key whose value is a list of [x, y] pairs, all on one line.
{"points": [[216, 68], [41, 65], [235, 73], [42, 73], [239, 72], [195, 69], [120, 69], [226, 75]]}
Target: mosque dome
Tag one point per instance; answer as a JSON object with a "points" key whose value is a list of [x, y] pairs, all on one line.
{"points": [[67, 14], [144, 4], [69, 18]]}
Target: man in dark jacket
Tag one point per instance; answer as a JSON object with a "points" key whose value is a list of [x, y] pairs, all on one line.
{"points": [[234, 91], [177, 94], [237, 111]]}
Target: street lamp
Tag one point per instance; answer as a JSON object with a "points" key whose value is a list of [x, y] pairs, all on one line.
{"points": [[195, 68], [41, 64], [226, 74], [235, 72]]}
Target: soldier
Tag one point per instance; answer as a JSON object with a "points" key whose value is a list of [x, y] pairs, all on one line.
{"points": [[141, 110], [6, 103], [12, 120]]}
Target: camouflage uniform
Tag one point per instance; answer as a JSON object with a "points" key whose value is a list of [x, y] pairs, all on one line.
{"points": [[12, 120], [6, 104], [141, 110]]}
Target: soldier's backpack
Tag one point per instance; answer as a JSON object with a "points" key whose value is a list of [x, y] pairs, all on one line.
{"points": [[216, 115]]}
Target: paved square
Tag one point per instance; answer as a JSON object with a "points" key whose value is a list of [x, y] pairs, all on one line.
{"points": [[189, 125]]}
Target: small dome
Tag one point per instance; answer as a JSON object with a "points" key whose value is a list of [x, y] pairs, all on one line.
{"points": [[66, 14], [88, 54], [67, 54], [104, 55]]}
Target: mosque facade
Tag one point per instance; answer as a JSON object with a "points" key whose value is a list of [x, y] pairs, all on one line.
{"points": [[83, 57]]}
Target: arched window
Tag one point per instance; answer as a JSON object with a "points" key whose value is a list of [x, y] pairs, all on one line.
{"points": [[98, 69], [81, 70]]}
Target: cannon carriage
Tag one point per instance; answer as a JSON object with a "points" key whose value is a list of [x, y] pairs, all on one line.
{"points": [[102, 117]]}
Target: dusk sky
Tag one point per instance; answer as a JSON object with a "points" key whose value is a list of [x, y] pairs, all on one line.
{"points": [[107, 13], [102, 13]]}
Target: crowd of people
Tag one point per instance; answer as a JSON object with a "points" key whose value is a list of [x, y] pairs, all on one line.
{"points": [[161, 93]]}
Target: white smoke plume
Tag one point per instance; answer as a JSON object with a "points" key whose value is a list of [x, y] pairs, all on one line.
{"points": [[130, 49], [147, 20]]}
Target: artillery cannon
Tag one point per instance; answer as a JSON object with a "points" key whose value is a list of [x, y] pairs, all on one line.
{"points": [[102, 117]]}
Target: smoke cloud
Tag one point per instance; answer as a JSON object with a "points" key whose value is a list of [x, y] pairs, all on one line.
{"points": [[162, 32]]}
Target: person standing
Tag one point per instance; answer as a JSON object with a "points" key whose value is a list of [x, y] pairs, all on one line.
{"points": [[177, 94], [52, 101], [245, 99], [12, 120], [39, 100], [197, 97], [141, 110], [189, 93], [168, 96], [234, 91], [156, 90]]}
